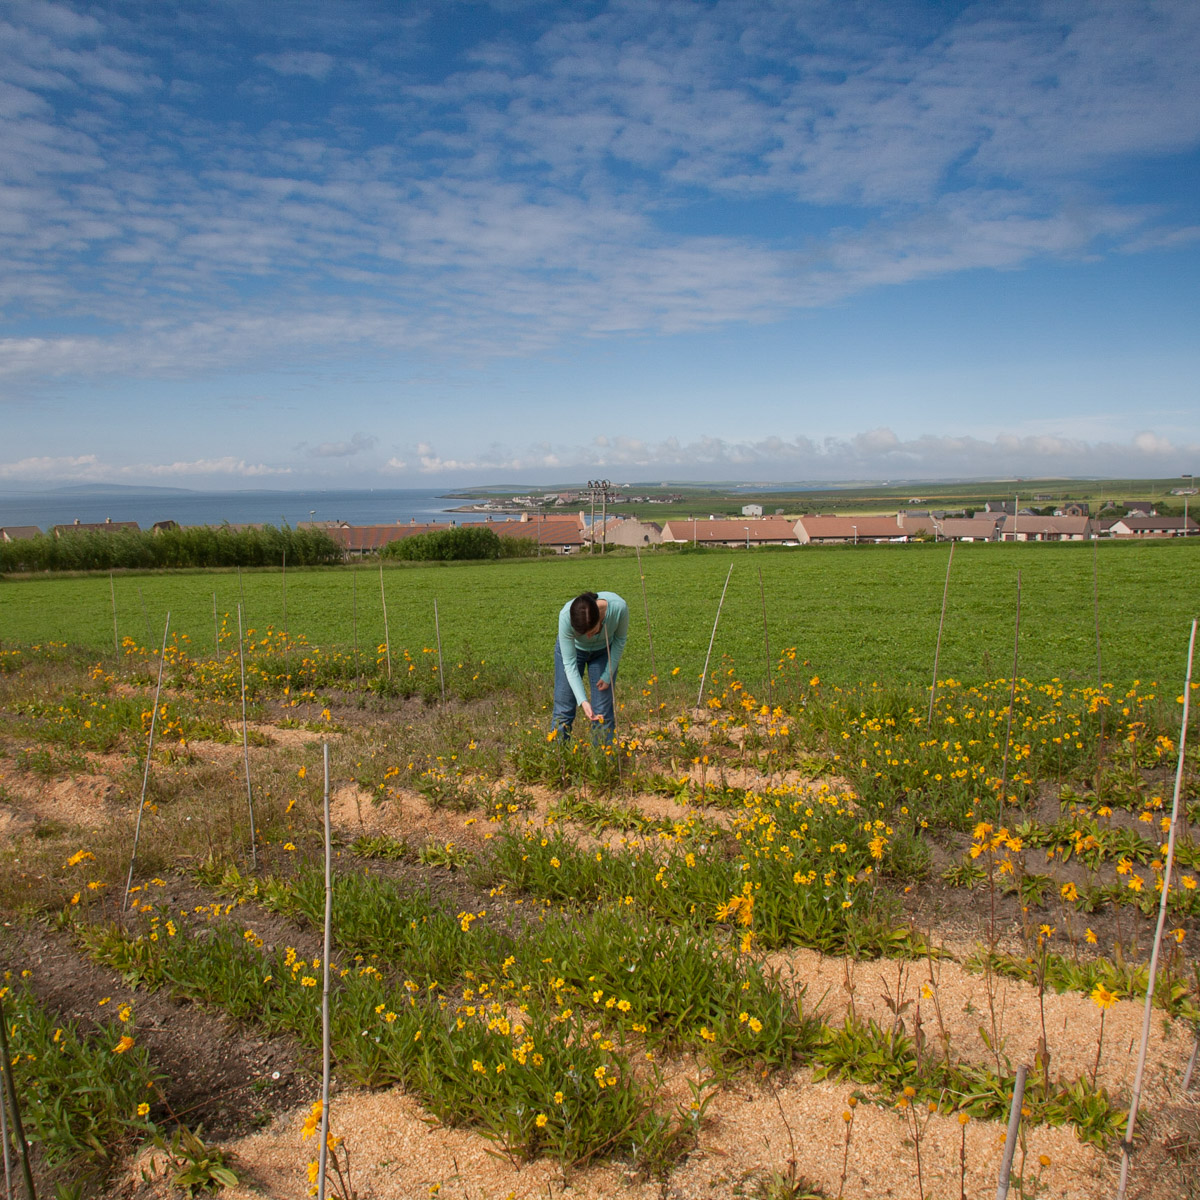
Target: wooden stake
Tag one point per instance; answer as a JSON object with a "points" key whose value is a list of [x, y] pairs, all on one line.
{"points": [[137, 831], [1012, 700], [437, 628], [387, 641], [938, 648], [287, 656], [246, 743], [112, 587], [241, 588], [649, 635], [325, 1039], [704, 673], [762, 595], [1147, 1012], [1010, 1141], [11, 1094]]}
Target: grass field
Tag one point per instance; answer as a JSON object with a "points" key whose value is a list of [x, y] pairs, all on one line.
{"points": [[788, 943], [855, 615]]}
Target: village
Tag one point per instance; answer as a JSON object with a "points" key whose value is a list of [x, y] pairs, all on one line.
{"points": [[567, 533]]}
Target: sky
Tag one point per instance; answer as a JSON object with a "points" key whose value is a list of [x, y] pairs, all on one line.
{"points": [[449, 242]]}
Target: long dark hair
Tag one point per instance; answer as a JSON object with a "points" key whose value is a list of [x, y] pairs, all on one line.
{"points": [[585, 612]]}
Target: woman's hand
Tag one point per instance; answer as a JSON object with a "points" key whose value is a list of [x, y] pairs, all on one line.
{"points": [[587, 712], [602, 685]]}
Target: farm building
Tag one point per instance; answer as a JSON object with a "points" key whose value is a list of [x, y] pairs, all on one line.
{"points": [[983, 527]]}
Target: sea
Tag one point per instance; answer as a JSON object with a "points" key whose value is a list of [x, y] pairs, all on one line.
{"points": [[374, 506]]}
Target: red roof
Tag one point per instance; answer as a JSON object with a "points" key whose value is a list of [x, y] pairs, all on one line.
{"points": [[726, 532]]}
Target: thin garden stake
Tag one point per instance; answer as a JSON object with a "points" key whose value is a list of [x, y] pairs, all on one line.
{"points": [[10, 1092], [241, 588], [937, 650], [112, 587], [1187, 1075], [216, 629], [1010, 1141], [762, 595], [1012, 701], [354, 580], [325, 1040], [287, 657], [145, 614], [246, 743], [8, 1187], [437, 629], [704, 673], [137, 831], [1127, 1142], [649, 635], [387, 641]]}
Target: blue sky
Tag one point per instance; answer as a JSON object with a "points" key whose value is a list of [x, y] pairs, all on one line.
{"points": [[411, 244]]}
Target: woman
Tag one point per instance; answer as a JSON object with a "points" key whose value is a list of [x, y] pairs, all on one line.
{"points": [[592, 630]]}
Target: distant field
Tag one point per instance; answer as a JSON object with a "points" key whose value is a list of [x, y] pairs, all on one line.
{"points": [[855, 615]]}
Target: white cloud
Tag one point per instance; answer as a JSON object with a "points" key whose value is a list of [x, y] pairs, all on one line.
{"points": [[358, 444], [536, 194], [89, 468], [312, 63], [875, 453]]}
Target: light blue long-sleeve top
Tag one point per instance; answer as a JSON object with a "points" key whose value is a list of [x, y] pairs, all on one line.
{"points": [[613, 633]]}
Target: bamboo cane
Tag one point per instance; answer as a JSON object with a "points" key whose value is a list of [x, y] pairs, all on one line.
{"points": [[112, 587], [937, 652], [762, 595], [437, 628], [246, 743], [287, 655], [720, 605], [325, 1039], [649, 635], [137, 831], [1127, 1141], [1012, 700], [145, 614], [387, 641], [1010, 1141], [354, 580], [241, 588], [8, 1187], [11, 1092]]}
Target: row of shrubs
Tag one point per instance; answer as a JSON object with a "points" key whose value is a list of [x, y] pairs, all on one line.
{"points": [[190, 546], [462, 542]]}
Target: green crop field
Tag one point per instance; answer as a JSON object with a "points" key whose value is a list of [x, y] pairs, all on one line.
{"points": [[853, 615]]}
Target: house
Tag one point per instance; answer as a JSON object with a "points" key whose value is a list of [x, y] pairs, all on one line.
{"points": [[562, 535], [979, 528], [1153, 527], [164, 526], [108, 525], [628, 531], [1075, 508], [828, 530], [751, 510], [19, 533], [1029, 528], [717, 531], [917, 521]]}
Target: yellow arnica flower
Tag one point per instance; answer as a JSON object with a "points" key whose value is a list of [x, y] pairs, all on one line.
{"points": [[1102, 997], [124, 1044]]}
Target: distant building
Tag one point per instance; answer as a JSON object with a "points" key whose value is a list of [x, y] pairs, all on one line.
{"points": [[818, 530], [19, 533], [717, 531], [751, 510], [108, 525], [1153, 527]]}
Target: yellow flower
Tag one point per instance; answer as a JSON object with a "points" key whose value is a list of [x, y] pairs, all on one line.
{"points": [[541, 1120], [558, 1097], [302, 773], [1103, 997], [143, 1109], [124, 1044], [1044, 1159]]}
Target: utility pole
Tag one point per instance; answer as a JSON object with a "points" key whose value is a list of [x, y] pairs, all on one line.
{"points": [[598, 488]]}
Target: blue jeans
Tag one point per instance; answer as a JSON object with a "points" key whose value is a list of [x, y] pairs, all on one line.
{"points": [[591, 664]]}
